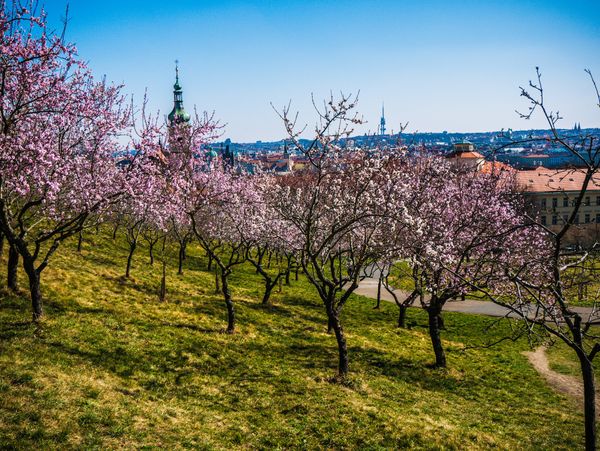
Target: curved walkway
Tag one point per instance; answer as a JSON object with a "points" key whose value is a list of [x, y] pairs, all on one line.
{"points": [[568, 385], [368, 288], [563, 383]]}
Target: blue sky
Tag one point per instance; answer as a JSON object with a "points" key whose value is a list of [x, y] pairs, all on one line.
{"points": [[441, 65]]}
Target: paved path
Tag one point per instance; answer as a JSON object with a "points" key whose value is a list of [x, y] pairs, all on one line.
{"points": [[368, 287]]}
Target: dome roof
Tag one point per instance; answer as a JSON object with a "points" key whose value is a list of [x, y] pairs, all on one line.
{"points": [[178, 115]]}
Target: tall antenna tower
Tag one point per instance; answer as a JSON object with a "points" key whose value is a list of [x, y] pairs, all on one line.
{"points": [[382, 121]]}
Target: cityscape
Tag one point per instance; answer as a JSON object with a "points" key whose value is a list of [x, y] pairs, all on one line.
{"points": [[300, 225]]}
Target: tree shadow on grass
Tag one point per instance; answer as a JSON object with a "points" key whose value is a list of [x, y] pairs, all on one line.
{"points": [[14, 329], [285, 311], [119, 283], [14, 303], [124, 363], [193, 327], [421, 373], [101, 259], [196, 263]]}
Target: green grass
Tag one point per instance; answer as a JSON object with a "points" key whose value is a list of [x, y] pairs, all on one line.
{"points": [[564, 360], [111, 366], [401, 277]]}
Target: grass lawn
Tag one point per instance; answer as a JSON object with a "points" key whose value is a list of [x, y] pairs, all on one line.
{"points": [[112, 367]]}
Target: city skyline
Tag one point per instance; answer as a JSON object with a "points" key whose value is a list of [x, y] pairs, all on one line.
{"points": [[439, 66]]}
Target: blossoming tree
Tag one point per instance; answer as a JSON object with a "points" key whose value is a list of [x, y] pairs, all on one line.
{"points": [[468, 224], [338, 207], [58, 129]]}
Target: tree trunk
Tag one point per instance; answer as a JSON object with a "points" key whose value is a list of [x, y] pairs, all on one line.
{"points": [[288, 271], [34, 288], [341, 342], [297, 269], [163, 282], [217, 283], [434, 333], [151, 252], [1, 244], [402, 316], [132, 247], [114, 235], [79, 241], [210, 260], [181, 257], [379, 282], [12, 268], [589, 401], [269, 284], [228, 303]]}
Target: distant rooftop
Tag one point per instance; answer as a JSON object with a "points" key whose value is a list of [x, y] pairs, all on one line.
{"points": [[543, 180]]}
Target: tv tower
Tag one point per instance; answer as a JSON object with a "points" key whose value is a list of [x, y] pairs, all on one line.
{"points": [[382, 121]]}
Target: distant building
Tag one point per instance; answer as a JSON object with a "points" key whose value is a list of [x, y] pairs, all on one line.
{"points": [[464, 154], [551, 195], [178, 113], [550, 160], [229, 157], [179, 138]]}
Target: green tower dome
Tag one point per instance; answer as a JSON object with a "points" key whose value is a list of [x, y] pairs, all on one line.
{"points": [[178, 113]]}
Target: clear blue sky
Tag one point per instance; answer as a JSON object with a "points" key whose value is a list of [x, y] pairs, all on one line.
{"points": [[442, 65]]}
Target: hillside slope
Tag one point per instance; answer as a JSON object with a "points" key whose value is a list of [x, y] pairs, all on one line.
{"points": [[111, 366]]}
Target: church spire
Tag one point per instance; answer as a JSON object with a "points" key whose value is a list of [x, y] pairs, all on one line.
{"points": [[178, 114]]}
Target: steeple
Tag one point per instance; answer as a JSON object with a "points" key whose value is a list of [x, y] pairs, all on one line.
{"points": [[177, 114], [382, 121], [286, 154]]}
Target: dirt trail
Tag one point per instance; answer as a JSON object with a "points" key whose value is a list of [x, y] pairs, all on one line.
{"points": [[568, 385]]}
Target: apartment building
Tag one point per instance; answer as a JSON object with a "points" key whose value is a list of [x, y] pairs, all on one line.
{"points": [[551, 194]]}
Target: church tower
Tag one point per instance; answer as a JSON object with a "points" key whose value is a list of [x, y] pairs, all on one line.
{"points": [[177, 114]]}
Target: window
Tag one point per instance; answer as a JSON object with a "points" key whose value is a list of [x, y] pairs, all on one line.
{"points": [[543, 220], [597, 200], [587, 218], [543, 203], [554, 202], [565, 218], [576, 219], [565, 202], [555, 219], [598, 218], [587, 201]]}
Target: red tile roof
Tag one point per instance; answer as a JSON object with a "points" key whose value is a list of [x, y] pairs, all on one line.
{"points": [[462, 154], [543, 180], [495, 167]]}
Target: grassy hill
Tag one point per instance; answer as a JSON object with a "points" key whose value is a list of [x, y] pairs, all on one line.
{"points": [[111, 366]]}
